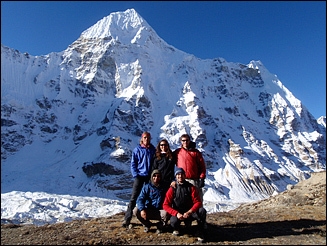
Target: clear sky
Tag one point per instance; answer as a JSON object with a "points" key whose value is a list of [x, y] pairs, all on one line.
{"points": [[289, 38]]}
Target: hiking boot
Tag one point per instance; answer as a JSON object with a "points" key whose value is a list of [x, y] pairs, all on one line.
{"points": [[176, 233], [200, 236], [146, 229], [160, 225], [200, 239], [126, 223]]}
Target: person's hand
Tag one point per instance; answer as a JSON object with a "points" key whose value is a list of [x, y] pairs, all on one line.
{"points": [[180, 216], [143, 214], [173, 184], [187, 214], [201, 183]]}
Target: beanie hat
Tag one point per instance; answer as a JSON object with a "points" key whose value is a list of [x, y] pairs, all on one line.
{"points": [[155, 171], [179, 170]]}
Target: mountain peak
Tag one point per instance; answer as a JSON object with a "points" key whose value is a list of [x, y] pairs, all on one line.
{"points": [[322, 121], [118, 25]]}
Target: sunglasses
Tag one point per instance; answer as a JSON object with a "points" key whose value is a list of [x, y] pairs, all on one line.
{"points": [[163, 144], [185, 140]]}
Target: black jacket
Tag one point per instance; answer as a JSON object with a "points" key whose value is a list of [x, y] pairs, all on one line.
{"points": [[166, 167]]}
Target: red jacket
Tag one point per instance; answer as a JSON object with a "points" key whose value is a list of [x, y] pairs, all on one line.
{"points": [[168, 202], [192, 162]]}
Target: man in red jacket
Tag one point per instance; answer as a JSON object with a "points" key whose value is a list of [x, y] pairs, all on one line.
{"points": [[183, 203], [191, 160]]}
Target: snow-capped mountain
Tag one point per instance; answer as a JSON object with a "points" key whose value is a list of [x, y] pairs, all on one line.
{"points": [[70, 120]]}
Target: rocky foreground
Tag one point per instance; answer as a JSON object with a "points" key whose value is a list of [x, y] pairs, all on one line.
{"points": [[294, 217]]}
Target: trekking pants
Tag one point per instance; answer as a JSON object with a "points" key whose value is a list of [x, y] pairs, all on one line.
{"points": [[152, 214], [200, 216], [137, 187]]}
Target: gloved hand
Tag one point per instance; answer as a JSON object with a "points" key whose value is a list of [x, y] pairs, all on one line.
{"points": [[201, 183]]}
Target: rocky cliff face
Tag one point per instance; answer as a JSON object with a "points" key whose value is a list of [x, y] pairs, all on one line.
{"points": [[82, 111]]}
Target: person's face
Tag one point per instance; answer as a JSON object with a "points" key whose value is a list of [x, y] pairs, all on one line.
{"points": [[163, 146], [180, 177], [146, 139], [185, 142], [156, 178]]}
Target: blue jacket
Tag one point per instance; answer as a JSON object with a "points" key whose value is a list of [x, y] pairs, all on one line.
{"points": [[151, 197], [141, 160]]}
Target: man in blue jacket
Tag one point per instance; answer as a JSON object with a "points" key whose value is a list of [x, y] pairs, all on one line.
{"points": [[149, 203], [141, 162]]}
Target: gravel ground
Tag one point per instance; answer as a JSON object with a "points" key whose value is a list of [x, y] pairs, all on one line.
{"points": [[294, 217]]}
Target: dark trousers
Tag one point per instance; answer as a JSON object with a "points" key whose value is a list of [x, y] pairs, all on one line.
{"points": [[137, 187], [200, 216], [152, 214]]}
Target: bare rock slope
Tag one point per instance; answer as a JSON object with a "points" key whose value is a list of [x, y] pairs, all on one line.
{"points": [[294, 217]]}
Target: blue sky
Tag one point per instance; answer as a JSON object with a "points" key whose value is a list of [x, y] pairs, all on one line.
{"points": [[289, 38]]}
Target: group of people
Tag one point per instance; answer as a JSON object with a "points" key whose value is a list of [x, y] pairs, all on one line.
{"points": [[167, 185]]}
